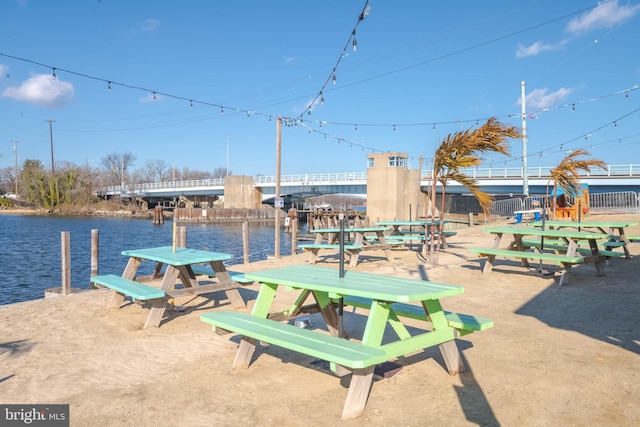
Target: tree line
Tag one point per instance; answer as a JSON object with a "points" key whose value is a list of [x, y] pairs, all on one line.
{"points": [[67, 183]]}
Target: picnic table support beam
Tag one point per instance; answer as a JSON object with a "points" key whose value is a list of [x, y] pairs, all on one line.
{"points": [[359, 390]]}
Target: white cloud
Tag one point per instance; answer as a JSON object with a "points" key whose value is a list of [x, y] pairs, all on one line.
{"points": [[539, 99], [149, 25], [538, 47], [605, 15], [42, 90]]}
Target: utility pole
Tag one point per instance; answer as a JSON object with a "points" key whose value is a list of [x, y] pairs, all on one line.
{"points": [[15, 159], [51, 122], [525, 179], [277, 198]]}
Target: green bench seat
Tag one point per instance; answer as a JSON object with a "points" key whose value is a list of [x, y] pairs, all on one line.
{"points": [[563, 248], [207, 271], [328, 246], [349, 354], [464, 323], [528, 255], [131, 288], [565, 261]]}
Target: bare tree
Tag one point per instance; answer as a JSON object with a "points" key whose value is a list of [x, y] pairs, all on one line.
{"points": [[116, 166], [221, 172], [155, 170]]}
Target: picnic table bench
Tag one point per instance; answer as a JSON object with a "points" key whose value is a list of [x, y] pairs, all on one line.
{"points": [[127, 287], [609, 228], [563, 248], [352, 250], [516, 249], [384, 297]]}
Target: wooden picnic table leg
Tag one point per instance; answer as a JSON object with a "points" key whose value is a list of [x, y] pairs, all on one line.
{"points": [[129, 273], [358, 393], [384, 245], [159, 306], [224, 277], [624, 239], [448, 349], [260, 309]]}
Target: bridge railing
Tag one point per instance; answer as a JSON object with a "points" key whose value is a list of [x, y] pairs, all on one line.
{"points": [[630, 170], [540, 172]]}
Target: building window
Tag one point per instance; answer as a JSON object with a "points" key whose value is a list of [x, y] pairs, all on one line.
{"points": [[370, 162], [399, 162]]}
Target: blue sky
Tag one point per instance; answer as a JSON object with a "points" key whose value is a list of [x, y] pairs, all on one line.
{"points": [[222, 71]]}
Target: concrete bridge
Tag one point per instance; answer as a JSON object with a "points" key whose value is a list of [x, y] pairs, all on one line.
{"points": [[297, 187]]}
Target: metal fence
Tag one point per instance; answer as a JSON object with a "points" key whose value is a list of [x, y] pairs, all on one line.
{"points": [[600, 203]]}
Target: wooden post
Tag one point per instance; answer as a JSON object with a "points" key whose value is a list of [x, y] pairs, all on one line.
{"points": [[471, 219], [245, 242], [294, 235], [182, 236], [174, 234], [95, 252], [66, 263], [158, 215]]}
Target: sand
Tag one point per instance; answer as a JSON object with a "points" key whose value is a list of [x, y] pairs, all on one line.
{"points": [[556, 356]]}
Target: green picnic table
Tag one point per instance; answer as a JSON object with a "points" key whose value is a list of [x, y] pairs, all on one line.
{"points": [[606, 227], [388, 300], [517, 249]]}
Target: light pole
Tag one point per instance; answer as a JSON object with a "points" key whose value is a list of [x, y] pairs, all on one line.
{"points": [[51, 122], [525, 178]]}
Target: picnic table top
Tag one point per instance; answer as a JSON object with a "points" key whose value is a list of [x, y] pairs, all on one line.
{"points": [[358, 284], [410, 223], [348, 229], [588, 224], [181, 256], [533, 231]]}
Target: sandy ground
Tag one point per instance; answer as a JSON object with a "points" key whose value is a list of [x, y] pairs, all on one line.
{"points": [[556, 356]]}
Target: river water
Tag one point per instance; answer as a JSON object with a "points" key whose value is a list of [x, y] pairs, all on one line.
{"points": [[30, 248]]}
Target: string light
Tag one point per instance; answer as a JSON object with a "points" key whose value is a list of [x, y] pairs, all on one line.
{"points": [[53, 74], [154, 97], [191, 104], [109, 86]]}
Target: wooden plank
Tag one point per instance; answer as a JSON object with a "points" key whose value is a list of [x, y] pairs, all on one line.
{"points": [[128, 287]]}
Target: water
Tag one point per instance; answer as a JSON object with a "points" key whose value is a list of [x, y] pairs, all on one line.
{"points": [[30, 248]]}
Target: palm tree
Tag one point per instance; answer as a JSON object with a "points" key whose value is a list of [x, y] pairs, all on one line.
{"points": [[567, 174], [463, 150]]}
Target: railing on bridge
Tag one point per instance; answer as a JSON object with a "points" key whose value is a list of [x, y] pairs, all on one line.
{"points": [[631, 170]]}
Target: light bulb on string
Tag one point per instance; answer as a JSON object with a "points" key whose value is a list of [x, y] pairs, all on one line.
{"points": [[573, 107], [321, 99], [109, 86], [356, 127], [53, 74], [191, 104], [355, 43], [394, 128], [154, 97], [615, 124], [221, 111], [334, 78]]}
